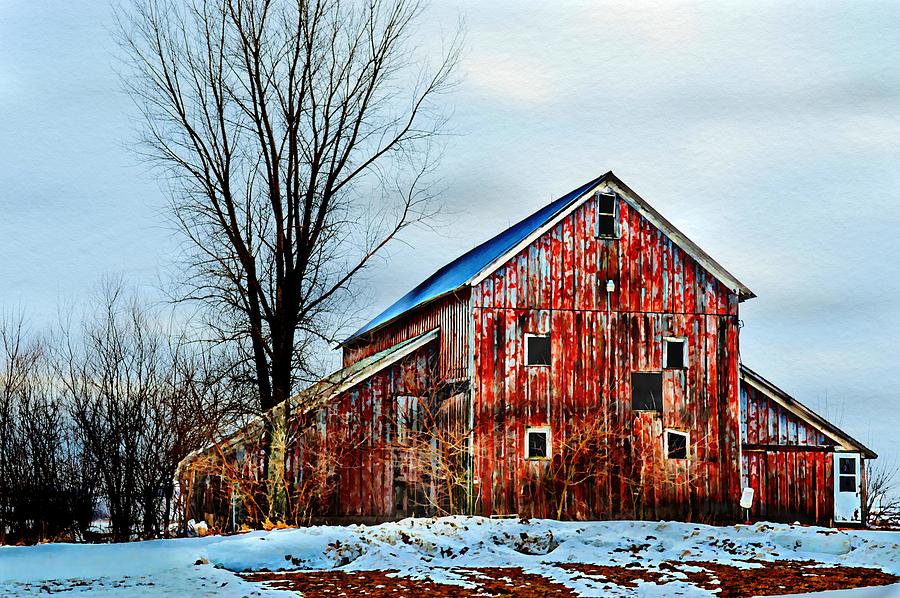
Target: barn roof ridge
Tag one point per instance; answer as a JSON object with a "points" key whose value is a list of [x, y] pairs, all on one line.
{"points": [[480, 261], [804, 412]]}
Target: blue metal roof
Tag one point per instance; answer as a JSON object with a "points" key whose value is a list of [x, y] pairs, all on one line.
{"points": [[467, 266]]}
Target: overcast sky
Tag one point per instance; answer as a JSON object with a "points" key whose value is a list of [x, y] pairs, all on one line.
{"points": [[769, 133]]}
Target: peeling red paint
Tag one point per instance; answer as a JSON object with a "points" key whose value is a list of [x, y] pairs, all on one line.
{"points": [[596, 345], [788, 462], [557, 285]]}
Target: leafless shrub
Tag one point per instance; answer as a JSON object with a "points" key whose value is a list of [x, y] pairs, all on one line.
{"points": [[47, 488], [581, 455], [430, 450], [424, 442], [655, 482], [140, 399], [246, 481], [882, 500]]}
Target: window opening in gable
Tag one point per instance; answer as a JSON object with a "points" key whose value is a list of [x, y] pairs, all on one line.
{"points": [[674, 353], [607, 215]]}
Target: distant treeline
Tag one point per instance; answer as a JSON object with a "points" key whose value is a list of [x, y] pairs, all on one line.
{"points": [[95, 416]]}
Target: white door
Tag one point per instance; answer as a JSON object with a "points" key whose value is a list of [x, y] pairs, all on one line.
{"points": [[847, 492]]}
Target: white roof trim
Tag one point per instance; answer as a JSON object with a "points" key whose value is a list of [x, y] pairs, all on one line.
{"points": [[803, 412], [680, 239], [612, 183], [379, 361], [378, 364]]}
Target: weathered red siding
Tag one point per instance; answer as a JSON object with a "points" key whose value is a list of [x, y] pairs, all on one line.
{"points": [[361, 426], [788, 463], [567, 269], [557, 285], [452, 314]]}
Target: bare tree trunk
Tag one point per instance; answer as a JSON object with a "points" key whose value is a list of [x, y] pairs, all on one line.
{"points": [[299, 138]]}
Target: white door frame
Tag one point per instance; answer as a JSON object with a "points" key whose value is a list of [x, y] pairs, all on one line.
{"points": [[847, 491]]}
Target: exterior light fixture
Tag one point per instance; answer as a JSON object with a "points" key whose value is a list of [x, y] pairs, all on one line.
{"points": [[610, 286]]}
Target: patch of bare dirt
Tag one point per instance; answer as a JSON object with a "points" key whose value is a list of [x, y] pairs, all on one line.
{"points": [[341, 583], [785, 577], [626, 577], [769, 579], [512, 581], [490, 581]]}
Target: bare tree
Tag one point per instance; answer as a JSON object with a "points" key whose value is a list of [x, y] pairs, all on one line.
{"points": [[47, 487], [882, 501], [140, 399], [299, 137]]}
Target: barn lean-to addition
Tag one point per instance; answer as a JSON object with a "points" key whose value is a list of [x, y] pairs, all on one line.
{"points": [[800, 465], [583, 363]]}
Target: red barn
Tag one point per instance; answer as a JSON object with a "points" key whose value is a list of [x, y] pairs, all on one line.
{"points": [[583, 363]]}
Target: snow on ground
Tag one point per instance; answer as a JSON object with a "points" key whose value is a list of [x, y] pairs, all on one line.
{"points": [[432, 548]]}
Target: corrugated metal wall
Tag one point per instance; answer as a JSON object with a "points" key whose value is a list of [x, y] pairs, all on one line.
{"points": [[374, 476], [452, 314], [361, 425]]}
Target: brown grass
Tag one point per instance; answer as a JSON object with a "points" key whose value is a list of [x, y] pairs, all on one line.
{"points": [[490, 581], [786, 577], [768, 579]]}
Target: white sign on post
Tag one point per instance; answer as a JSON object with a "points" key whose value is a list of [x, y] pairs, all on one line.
{"points": [[747, 498]]}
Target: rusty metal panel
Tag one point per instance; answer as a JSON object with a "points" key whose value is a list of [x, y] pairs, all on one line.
{"points": [[452, 314]]}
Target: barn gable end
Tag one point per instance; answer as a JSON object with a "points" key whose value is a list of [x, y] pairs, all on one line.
{"points": [[555, 283]]}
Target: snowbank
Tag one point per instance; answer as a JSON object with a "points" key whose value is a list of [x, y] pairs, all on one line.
{"points": [[432, 548], [478, 542]]}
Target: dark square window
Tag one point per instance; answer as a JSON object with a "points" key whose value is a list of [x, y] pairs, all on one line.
{"points": [[674, 353], [646, 391], [537, 350], [848, 466], [537, 444], [606, 215], [606, 203], [676, 445], [606, 225], [848, 483]]}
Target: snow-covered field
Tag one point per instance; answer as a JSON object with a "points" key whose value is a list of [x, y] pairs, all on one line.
{"points": [[436, 549]]}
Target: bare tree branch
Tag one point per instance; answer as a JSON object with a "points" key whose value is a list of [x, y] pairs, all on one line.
{"points": [[278, 122]]}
